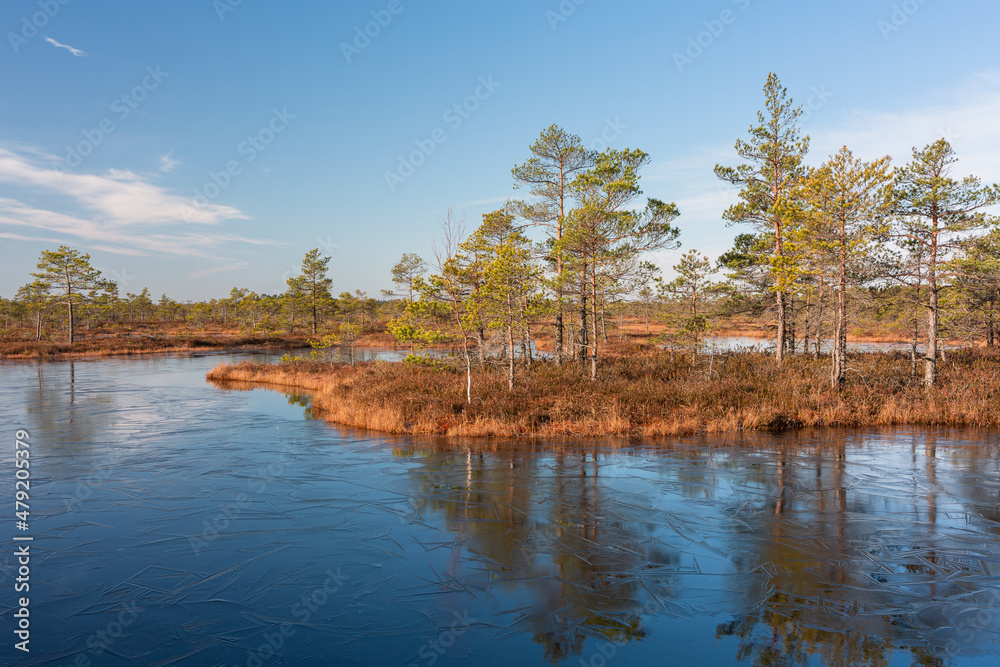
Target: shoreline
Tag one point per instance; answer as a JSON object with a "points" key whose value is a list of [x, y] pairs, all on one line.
{"points": [[54, 351], [138, 343], [125, 346], [645, 395]]}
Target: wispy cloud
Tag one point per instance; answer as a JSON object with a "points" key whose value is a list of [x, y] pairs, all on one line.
{"points": [[967, 119], [218, 269], [482, 202], [117, 197], [60, 227], [168, 163], [76, 52], [118, 211]]}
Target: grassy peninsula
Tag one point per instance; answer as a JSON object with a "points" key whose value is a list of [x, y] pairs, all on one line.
{"points": [[639, 392]]}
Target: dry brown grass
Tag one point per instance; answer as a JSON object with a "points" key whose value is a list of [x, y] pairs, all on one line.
{"points": [[643, 393], [128, 344]]}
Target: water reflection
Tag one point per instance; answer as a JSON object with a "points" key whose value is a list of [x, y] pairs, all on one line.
{"points": [[216, 512], [843, 549], [546, 532]]}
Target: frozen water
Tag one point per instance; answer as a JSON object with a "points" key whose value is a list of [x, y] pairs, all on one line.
{"points": [[176, 523]]}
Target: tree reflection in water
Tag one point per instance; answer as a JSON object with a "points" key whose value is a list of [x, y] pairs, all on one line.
{"points": [[833, 547], [543, 531], [833, 553]]}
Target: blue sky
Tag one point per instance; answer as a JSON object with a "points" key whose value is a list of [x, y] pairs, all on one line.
{"points": [[194, 146]]}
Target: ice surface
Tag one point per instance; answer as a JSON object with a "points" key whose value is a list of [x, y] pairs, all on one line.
{"points": [[179, 524]]}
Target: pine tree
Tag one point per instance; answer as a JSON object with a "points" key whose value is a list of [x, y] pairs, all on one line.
{"points": [[507, 297], [69, 276], [774, 155], [841, 211], [556, 157], [938, 215], [692, 284], [406, 271], [312, 286], [605, 234]]}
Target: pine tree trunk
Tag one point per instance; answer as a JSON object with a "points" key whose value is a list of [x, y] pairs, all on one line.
{"points": [[510, 357], [916, 328], [780, 337], [819, 317], [779, 294], [840, 340], [530, 358], [468, 370], [593, 302], [559, 331], [809, 308], [930, 360], [584, 345], [572, 336], [790, 328], [840, 344], [930, 366]]}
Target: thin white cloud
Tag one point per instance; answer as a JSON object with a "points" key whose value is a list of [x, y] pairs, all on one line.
{"points": [[482, 202], [76, 52], [967, 120], [118, 211], [117, 198], [218, 269], [168, 163], [117, 240]]}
